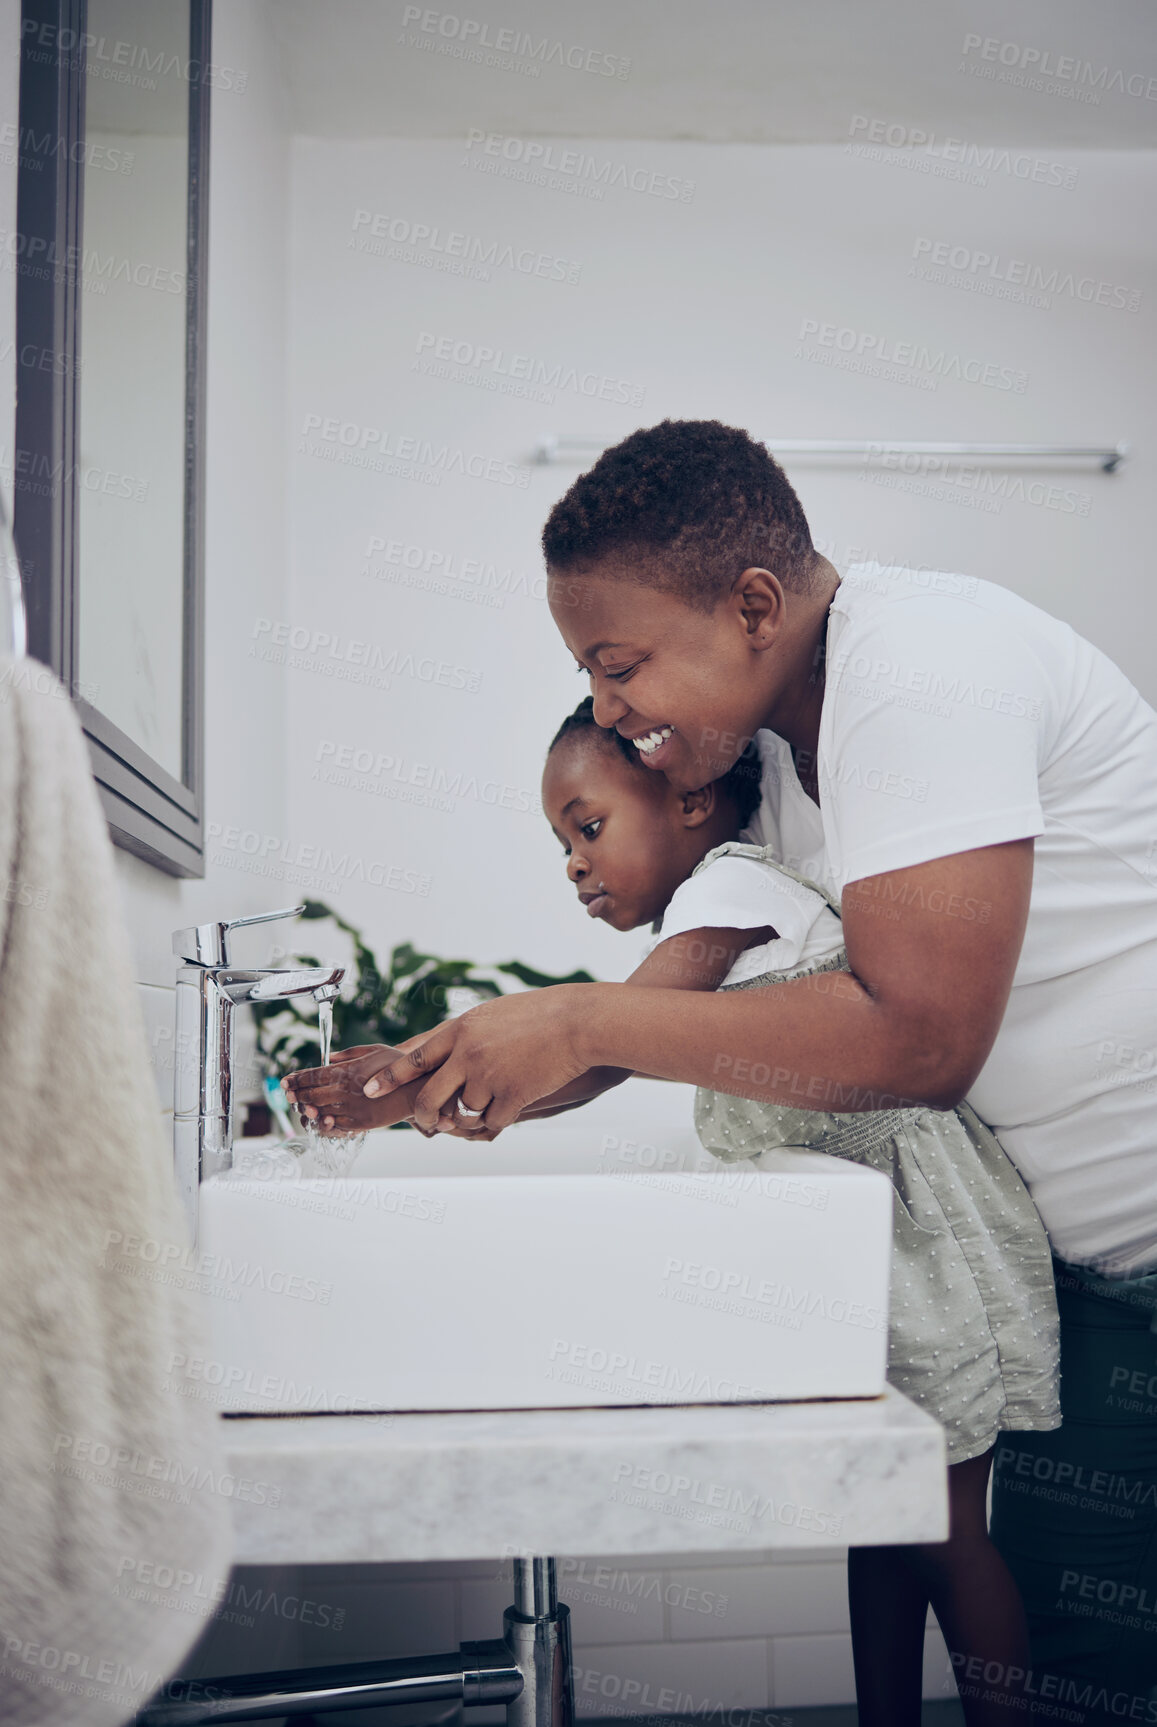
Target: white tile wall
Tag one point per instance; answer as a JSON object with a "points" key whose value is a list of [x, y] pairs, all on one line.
{"points": [[679, 1678], [750, 1603], [669, 1635], [813, 1670], [938, 1679], [364, 1621], [256, 1629], [157, 1008]]}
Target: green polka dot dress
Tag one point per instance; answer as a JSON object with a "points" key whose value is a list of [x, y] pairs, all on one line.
{"points": [[973, 1330]]}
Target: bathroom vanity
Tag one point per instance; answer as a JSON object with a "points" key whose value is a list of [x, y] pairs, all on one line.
{"points": [[526, 1483], [588, 1337]]}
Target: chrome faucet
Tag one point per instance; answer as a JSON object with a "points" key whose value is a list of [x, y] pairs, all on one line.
{"points": [[208, 990]]}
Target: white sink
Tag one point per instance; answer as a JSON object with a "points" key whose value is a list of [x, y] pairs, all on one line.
{"points": [[584, 1260]]}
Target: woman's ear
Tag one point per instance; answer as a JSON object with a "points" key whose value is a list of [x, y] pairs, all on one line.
{"points": [[758, 598], [697, 807]]}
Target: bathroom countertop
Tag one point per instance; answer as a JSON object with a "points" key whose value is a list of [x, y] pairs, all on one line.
{"points": [[674, 1479]]}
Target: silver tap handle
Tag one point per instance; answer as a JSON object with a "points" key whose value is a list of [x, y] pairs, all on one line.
{"points": [[265, 917], [208, 943]]}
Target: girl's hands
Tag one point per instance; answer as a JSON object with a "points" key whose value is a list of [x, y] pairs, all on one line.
{"points": [[334, 1098], [498, 1057]]}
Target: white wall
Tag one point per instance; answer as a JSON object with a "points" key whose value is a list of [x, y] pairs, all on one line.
{"points": [[698, 307]]}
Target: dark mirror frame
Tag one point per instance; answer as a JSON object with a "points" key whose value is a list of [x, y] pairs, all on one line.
{"points": [[150, 812]]}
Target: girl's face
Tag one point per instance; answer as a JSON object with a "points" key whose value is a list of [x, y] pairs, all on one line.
{"points": [[628, 837], [690, 688]]}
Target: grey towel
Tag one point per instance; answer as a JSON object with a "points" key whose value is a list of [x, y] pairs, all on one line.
{"points": [[114, 1525]]}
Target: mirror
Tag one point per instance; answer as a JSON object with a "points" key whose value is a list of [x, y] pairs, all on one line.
{"points": [[114, 103], [132, 385]]}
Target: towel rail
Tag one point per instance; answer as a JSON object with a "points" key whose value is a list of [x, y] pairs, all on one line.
{"points": [[557, 448], [528, 1668]]}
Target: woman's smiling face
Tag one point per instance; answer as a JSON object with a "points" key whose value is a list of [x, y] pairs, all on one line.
{"points": [[689, 688]]}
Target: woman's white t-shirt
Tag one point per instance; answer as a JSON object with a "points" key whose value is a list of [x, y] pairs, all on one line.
{"points": [[957, 715]]}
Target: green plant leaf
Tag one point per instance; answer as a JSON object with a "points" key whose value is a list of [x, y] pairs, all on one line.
{"points": [[406, 959], [541, 979]]}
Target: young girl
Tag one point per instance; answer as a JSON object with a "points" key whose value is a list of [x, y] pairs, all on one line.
{"points": [[973, 1325], [973, 1322]]}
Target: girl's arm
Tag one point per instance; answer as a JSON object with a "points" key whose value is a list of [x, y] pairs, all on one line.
{"points": [[697, 959]]}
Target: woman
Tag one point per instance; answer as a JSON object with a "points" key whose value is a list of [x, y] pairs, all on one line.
{"points": [[977, 786]]}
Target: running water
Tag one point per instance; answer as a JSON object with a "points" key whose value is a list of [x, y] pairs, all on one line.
{"points": [[328, 1154], [309, 1153]]}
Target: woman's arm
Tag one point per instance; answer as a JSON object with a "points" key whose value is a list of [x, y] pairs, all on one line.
{"points": [[932, 951]]}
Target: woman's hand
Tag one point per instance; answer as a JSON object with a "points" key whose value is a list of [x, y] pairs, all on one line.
{"points": [[497, 1058]]}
